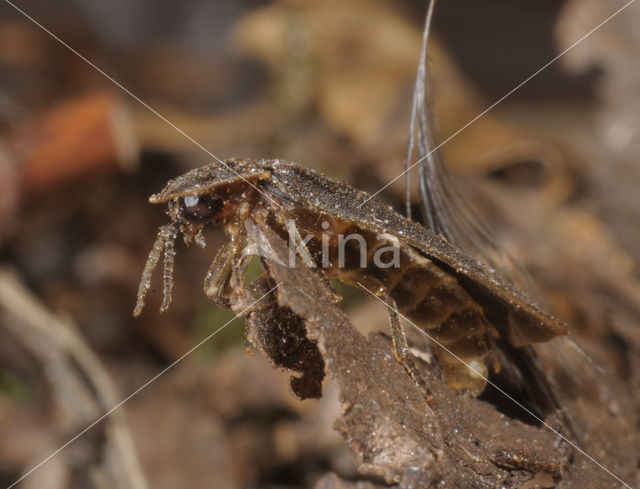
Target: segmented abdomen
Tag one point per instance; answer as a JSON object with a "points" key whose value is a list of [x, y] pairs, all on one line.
{"points": [[432, 299]]}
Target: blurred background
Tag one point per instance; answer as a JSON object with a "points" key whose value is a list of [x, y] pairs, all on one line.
{"points": [[328, 84]]}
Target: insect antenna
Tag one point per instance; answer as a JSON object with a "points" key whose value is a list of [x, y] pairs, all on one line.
{"points": [[169, 237], [166, 235]]}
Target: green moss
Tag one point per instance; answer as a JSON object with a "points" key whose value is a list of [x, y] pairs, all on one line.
{"points": [[13, 387]]}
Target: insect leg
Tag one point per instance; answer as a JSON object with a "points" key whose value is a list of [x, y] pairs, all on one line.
{"points": [[305, 256], [400, 346], [241, 297], [216, 279], [238, 272]]}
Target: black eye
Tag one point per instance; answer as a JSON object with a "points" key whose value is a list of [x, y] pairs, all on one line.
{"points": [[200, 208]]}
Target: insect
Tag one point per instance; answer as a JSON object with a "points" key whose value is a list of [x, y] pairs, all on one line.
{"points": [[454, 298]]}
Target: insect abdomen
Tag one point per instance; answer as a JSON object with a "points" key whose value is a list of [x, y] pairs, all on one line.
{"points": [[433, 300]]}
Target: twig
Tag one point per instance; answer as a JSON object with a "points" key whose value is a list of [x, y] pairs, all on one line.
{"points": [[59, 347]]}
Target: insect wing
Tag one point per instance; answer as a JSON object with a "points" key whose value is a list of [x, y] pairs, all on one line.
{"points": [[522, 320]]}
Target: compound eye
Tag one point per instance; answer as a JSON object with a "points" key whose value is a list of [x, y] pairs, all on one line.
{"points": [[200, 208]]}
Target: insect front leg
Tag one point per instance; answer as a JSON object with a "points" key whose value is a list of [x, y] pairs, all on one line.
{"points": [[216, 281], [400, 346]]}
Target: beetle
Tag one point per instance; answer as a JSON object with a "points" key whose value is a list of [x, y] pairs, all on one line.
{"points": [[461, 303]]}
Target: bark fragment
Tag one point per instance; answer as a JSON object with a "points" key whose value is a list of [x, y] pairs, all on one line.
{"points": [[394, 432]]}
